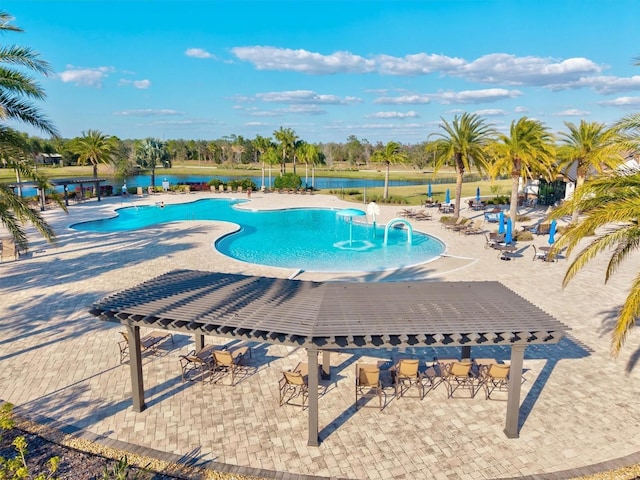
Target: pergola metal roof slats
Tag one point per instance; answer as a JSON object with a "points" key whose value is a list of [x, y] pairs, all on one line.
{"points": [[330, 316]]}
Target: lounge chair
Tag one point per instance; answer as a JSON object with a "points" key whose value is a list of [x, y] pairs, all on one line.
{"points": [[368, 383], [295, 384], [405, 374], [228, 363], [453, 224], [473, 229], [148, 343], [541, 229], [422, 215], [493, 377], [458, 374], [459, 226], [195, 365], [493, 239]]}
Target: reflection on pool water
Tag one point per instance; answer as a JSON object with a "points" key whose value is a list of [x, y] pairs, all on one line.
{"points": [[311, 239]]}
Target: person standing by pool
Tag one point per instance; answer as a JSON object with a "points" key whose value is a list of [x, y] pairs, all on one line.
{"points": [[124, 189]]}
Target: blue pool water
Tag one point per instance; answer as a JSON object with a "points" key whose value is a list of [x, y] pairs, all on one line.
{"points": [[309, 239]]}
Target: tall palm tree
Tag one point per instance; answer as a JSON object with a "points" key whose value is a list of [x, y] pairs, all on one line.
{"points": [[610, 205], [527, 152], [287, 138], [151, 152], [261, 145], [309, 154], [465, 140], [592, 147], [17, 90], [94, 147], [391, 153]]}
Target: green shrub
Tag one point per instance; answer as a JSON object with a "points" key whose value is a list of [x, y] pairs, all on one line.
{"points": [[524, 236], [288, 180], [214, 182]]}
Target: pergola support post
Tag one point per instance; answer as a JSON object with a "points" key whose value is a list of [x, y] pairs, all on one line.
{"points": [[312, 355], [515, 382], [135, 360], [199, 341], [466, 352], [326, 364]]}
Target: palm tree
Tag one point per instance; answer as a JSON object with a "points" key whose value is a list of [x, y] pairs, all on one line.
{"points": [[610, 205], [17, 89], [527, 152], [391, 153], [261, 145], [94, 148], [465, 140], [271, 157], [591, 147], [287, 138], [308, 154], [151, 152]]}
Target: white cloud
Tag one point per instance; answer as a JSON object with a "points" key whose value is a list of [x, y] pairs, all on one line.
{"points": [[89, 77], [521, 110], [198, 53], [140, 84], [533, 71], [491, 112], [148, 113], [303, 61], [476, 96], [622, 102], [404, 100], [410, 114], [417, 64], [304, 97], [608, 84], [572, 112]]}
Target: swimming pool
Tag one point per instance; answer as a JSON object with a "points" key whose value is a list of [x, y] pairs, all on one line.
{"points": [[310, 239]]}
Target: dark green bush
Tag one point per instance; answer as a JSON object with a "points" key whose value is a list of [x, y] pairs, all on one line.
{"points": [[288, 180]]}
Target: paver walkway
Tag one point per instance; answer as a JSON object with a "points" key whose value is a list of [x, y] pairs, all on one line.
{"points": [[58, 362]]}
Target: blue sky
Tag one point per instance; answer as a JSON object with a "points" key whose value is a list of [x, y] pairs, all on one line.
{"points": [[379, 70]]}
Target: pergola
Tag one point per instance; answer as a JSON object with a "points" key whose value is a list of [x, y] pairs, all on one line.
{"points": [[330, 316], [64, 182]]}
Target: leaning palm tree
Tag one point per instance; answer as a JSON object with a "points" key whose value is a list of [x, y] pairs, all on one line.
{"points": [[17, 90], [94, 148], [391, 153], [592, 148], [610, 206], [526, 153], [465, 140]]}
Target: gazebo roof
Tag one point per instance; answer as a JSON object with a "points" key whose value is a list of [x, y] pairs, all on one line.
{"points": [[332, 315]]}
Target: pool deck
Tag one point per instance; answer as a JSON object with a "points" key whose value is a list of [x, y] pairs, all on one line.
{"points": [[580, 412]]}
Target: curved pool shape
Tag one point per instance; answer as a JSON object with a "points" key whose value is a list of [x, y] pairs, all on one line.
{"points": [[311, 239]]}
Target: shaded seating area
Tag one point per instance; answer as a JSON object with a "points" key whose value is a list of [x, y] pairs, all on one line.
{"points": [[372, 315], [405, 375], [228, 363]]}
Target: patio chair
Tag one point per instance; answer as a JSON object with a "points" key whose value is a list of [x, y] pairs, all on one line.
{"points": [[405, 374], [368, 383], [295, 384], [422, 215], [493, 239], [458, 375], [493, 377], [195, 365], [541, 229], [473, 229], [228, 363], [148, 343], [453, 224]]}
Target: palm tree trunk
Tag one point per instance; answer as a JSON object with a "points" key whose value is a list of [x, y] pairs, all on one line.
{"points": [[576, 213], [19, 182], [459, 180], [513, 210], [386, 183]]}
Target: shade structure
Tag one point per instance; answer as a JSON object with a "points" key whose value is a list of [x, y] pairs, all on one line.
{"points": [[552, 232], [478, 194], [508, 237], [501, 223], [447, 197], [350, 213], [429, 192]]}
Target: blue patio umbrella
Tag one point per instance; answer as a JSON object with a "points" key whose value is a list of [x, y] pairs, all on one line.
{"points": [[501, 223], [429, 193], [508, 238], [350, 213], [447, 197], [478, 194], [552, 232]]}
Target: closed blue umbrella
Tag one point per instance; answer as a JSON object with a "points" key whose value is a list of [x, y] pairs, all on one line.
{"points": [[501, 223], [429, 190], [552, 232], [447, 197], [478, 194], [508, 238]]}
